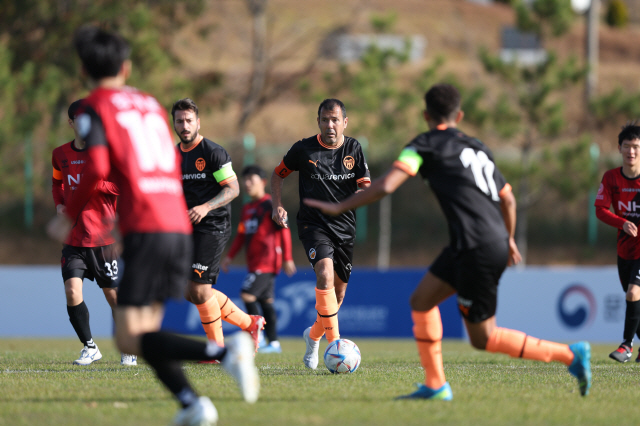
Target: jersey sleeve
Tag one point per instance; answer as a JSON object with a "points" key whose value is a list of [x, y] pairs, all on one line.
{"points": [[221, 164], [57, 188], [363, 175], [108, 187], [603, 197], [289, 162]]}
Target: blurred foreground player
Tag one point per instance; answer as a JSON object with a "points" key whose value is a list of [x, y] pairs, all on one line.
{"points": [[268, 248], [128, 138], [481, 212], [620, 187], [90, 250], [209, 184]]}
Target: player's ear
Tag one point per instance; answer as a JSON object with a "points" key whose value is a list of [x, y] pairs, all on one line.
{"points": [[126, 68], [425, 114], [346, 120], [70, 121], [459, 116]]}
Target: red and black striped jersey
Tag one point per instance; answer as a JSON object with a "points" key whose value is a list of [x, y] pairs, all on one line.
{"points": [[128, 139], [327, 173], [92, 227], [266, 244], [623, 194]]}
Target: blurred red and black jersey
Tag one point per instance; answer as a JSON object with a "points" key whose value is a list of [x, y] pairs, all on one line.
{"points": [[623, 194], [206, 168], [128, 139], [327, 173], [461, 172], [266, 243], [93, 225]]}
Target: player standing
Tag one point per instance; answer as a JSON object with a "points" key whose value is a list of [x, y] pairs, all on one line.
{"points": [[331, 167], [481, 212], [209, 185], [89, 251], [129, 140], [620, 187], [267, 244]]}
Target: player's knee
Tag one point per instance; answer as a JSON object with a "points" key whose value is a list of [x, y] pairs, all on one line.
{"points": [[479, 342], [246, 297], [633, 293]]}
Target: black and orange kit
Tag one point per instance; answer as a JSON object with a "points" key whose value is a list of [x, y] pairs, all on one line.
{"points": [[462, 174]]}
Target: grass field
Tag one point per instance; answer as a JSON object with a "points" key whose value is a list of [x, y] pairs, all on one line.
{"points": [[39, 386]]}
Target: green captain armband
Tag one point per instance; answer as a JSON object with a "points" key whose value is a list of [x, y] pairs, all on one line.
{"points": [[225, 172], [411, 158]]}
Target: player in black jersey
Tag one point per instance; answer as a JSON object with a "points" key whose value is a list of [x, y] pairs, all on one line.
{"points": [[331, 167], [209, 185], [481, 212]]}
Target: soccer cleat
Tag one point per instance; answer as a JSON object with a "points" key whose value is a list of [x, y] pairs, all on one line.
{"points": [[201, 413], [238, 362], [311, 355], [270, 349], [257, 324], [128, 360], [443, 393], [622, 354], [581, 365], [88, 355], [211, 361]]}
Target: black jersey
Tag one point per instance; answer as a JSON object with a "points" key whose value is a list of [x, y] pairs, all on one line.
{"points": [[206, 168], [464, 178], [326, 173]]}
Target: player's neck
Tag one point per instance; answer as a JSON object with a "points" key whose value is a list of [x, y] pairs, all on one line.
{"points": [[79, 143], [631, 171], [333, 144], [188, 146], [258, 197], [115, 82]]}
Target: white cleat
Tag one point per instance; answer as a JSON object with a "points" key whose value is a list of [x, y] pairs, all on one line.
{"points": [[128, 360], [88, 355], [311, 355], [200, 413], [239, 363]]}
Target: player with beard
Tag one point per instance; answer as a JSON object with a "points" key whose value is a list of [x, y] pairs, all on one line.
{"points": [[209, 185]]}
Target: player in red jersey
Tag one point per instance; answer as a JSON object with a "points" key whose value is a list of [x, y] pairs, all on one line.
{"points": [[268, 248], [129, 140], [89, 251], [481, 212], [620, 188]]}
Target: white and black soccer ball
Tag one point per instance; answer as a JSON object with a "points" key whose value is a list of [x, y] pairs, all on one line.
{"points": [[342, 356]]}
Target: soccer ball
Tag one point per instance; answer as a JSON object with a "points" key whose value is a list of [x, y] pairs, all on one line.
{"points": [[342, 356]]}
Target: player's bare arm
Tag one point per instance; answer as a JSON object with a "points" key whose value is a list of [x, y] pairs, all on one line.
{"points": [[508, 208], [229, 191], [381, 187], [278, 214]]}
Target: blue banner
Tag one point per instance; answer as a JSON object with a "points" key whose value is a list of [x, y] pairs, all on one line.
{"points": [[376, 305]]}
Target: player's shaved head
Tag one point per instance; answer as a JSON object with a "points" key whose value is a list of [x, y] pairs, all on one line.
{"points": [[102, 53], [629, 132], [330, 104], [442, 102]]}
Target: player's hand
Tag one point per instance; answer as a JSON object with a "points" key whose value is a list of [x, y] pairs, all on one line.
{"points": [[514, 254], [279, 216], [59, 228], [630, 228], [60, 209], [289, 267], [224, 265], [325, 207], [197, 213]]}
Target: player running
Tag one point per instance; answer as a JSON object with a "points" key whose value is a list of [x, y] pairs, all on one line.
{"points": [[331, 167], [620, 187], [209, 185], [128, 138], [266, 246], [481, 212], [90, 250]]}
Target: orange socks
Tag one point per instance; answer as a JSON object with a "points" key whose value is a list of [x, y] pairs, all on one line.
{"points": [[518, 345], [327, 307], [230, 311], [427, 329], [317, 330], [210, 317]]}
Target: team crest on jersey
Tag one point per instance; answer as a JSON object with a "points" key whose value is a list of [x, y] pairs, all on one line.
{"points": [[312, 253], [349, 162], [200, 163]]}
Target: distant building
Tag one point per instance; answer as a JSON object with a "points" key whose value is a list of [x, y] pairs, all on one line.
{"points": [[349, 48], [522, 48]]}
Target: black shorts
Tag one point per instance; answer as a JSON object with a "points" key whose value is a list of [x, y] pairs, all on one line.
{"points": [[474, 274], [207, 252], [259, 285], [99, 264], [318, 245], [156, 268], [629, 272]]}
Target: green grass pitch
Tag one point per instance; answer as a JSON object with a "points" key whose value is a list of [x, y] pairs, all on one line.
{"points": [[40, 386]]}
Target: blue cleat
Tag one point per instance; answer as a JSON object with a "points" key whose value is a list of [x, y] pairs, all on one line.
{"points": [[443, 393], [581, 365], [270, 349]]}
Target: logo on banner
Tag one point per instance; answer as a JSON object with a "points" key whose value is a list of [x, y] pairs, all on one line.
{"points": [[576, 306]]}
